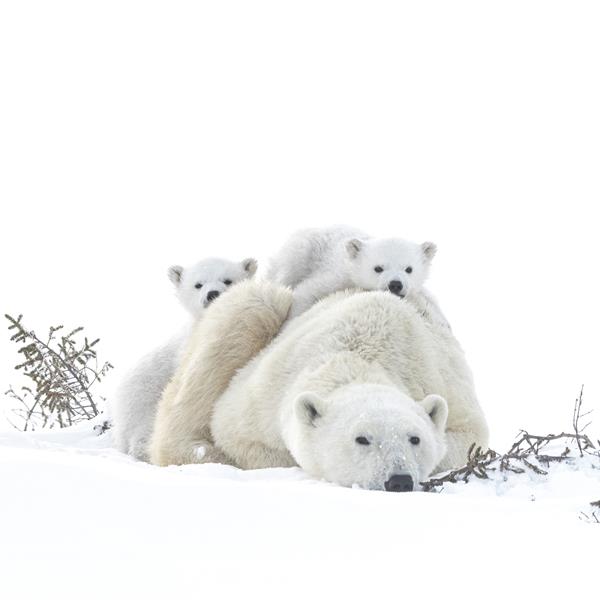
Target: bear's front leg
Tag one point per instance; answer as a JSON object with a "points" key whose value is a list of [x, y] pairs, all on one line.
{"points": [[255, 455], [206, 452], [233, 331]]}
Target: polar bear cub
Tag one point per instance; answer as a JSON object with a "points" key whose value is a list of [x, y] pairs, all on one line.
{"points": [[134, 405], [197, 286], [318, 262]]}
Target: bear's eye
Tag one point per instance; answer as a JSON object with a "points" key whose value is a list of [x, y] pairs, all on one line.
{"points": [[198, 286], [408, 269], [362, 440], [378, 269], [415, 440], [228, 282]]}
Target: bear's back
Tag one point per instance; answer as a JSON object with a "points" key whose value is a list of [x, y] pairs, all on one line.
{"points": [[379, 328]]}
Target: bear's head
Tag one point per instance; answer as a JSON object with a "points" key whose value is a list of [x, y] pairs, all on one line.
{"points": [[197, 286], [370, 435], [390, 264]]}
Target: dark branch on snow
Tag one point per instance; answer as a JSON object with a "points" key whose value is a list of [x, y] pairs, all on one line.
{"points": [[528, 453]]}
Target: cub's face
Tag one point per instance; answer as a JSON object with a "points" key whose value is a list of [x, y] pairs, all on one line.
{"points": [[204, 282], [390, 264], [370, 435]]}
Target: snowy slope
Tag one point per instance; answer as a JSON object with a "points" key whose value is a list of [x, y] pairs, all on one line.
{"points": [[78, 519]]}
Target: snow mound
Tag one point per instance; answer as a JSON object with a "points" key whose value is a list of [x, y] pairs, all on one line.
{"points": [[79, 519]]}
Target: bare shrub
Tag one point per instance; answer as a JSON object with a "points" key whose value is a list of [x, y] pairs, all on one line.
{"points": [[62, 369], [528, 453]]}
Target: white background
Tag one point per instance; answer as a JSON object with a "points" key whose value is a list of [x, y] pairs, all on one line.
{"points": [[134, 135]]}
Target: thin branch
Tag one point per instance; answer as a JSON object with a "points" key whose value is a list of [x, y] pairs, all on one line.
{"points": [[526, 454], [63, 370]]}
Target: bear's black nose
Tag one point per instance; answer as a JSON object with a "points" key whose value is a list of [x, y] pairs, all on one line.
{"points": [[212, 295], [399, 483], [395, 287]]}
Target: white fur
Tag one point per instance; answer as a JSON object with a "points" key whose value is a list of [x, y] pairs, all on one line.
{"points": [[134, 405], [233, 331], [326, 434], [355, 365], [319, 262], [213, 274]]}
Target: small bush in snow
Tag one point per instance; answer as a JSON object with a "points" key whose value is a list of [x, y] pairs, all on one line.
{"points": [[62, 370]]}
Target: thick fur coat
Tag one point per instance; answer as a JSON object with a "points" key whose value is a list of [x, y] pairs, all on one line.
{"points": [[249, 398], [235, 330]]}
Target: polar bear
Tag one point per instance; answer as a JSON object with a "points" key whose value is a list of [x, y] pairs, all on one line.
{"points": [[134, 406], [317, 262], [360, 389]]}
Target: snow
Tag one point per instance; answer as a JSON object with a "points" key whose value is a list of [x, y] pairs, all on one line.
{"points": [[138, 134], [79, 519]]}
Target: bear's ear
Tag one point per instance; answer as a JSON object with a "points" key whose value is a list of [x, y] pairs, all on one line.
{"points": [[429, 249], [309, 408], [175, 272], [250, 265], [353, 247], [437, 409]]}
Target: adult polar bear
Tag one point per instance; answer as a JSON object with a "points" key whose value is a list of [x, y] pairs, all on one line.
{"points": [[350, 390]]}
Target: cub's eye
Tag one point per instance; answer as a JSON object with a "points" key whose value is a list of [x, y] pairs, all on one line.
{"points": [[362, 440], [198, 286], [228, 282], [408, 269], [415, 440], [378, 269]]}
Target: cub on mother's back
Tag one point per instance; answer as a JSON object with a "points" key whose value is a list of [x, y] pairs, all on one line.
{"points": [[319, 262]]}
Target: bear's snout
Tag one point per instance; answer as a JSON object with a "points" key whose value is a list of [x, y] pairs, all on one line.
{"points": [[212, 295], [399, 483], [395, 287]]}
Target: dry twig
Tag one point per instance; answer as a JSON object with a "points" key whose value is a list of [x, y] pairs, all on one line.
{"points": [[594, 516], [527, 450]]}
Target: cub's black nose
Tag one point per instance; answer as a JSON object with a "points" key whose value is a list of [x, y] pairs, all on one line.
{"points": [[212, 295], [395, 287], [399, 483]]}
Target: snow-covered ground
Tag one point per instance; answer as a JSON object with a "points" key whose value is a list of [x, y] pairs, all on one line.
{"points": [[137, 134], [80, 520]]}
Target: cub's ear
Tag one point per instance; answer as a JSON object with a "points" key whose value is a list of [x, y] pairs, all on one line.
{"points": [[308, 408], [437, 409], [353, 247], [250, 265], [175, 272], [429, 249]]}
